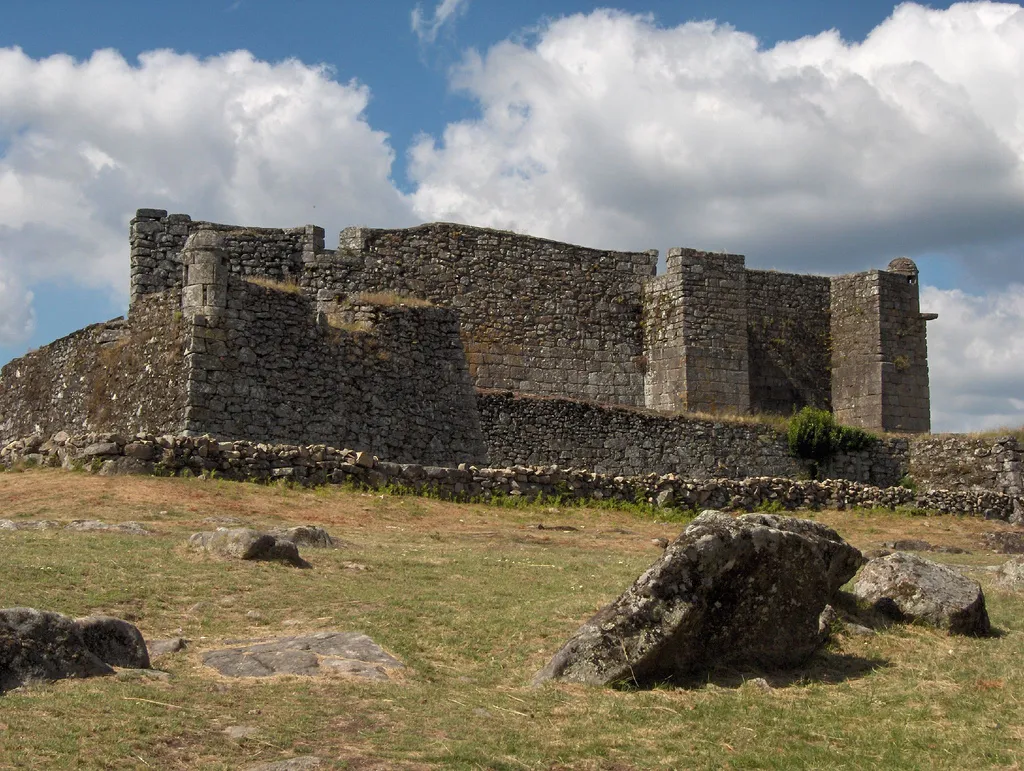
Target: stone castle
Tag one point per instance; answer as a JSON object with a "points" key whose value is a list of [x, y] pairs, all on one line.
{"points": [[398, 340]]}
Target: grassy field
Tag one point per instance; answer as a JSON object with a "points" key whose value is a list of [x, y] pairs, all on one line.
{"points": [[474, 599]]}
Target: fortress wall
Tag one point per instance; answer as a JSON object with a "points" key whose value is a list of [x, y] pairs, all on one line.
{"points": [[124, 375], [524, 430], [157, 239], [394, 383], [537, 315], [788, 341], [961, 462]]}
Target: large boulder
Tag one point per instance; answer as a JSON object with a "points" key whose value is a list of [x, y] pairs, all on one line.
{"points": [[39, 646], [741, 592], [910, 588], [244, 543]]}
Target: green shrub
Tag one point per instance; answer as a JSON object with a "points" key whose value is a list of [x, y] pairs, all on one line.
{"points": [[814, 435]]}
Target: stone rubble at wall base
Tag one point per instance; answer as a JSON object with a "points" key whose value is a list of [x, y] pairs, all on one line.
{"points": [[318, 464]]}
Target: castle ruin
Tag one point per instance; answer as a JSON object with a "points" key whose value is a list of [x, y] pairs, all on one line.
{"points": [[264, 334]]}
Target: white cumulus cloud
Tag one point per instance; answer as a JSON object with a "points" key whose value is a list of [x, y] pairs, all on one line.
{"points": [[229, 138], [428, 27], [17, 317], [815, 154], [976, 358]]}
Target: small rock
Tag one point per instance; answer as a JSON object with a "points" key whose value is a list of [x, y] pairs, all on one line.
{"points": [[306, 535], [905, 586], [760, 683], [365, 460], [100, 449], [158, 648], [307, 763], [909, 544], [661, 543], [98, 526], [238, 732], [247, 544], [1010, 575]]}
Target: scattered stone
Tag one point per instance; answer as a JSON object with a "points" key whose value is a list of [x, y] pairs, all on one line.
{"points": [[661, 543], [563, 528], [909, 544], [159, 648], [238, 732], [224, 521], [36, 524], [354, 566], [143, 674], [1010, 575], [760, 684], [1005, 542], [346, 653], [40, 646], [741, 592], [244, 543], [98, 526], [916, 544], [306, 535], [365, 460], [307, 763], [907, 587], [828, 619]]}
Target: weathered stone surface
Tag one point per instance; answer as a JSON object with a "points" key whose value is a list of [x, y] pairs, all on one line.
{"points": [[911, 588], [39, 646], [725, 592], [306, 535], [345, 653], [116, 642], [244, 543], [1010, 575], [842, 561]]}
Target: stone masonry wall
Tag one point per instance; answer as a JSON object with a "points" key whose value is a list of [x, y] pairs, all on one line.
{"points": [[856, 350], [531, 431], [393, 382], [537, 315], [955, 462], [789, 346], [125, 375], [714, 290], [905, 399]]}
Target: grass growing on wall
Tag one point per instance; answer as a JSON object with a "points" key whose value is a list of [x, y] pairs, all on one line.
{"points": [[391, 299], [289, 287]]}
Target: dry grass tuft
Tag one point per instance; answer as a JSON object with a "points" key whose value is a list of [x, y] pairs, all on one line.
{"points": [[291, 286], [390, 299]]}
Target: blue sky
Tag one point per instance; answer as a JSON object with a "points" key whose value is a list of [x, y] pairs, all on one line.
{"points": [[618, 126]]}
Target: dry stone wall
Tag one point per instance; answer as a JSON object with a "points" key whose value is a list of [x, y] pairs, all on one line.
{"points": [[311, 465], [529, 431]]}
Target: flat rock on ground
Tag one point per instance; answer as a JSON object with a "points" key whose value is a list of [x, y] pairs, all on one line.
{"points": [[346, 653], [244, 543], [40, 646], [911, 588], [307, 763], [747, 592]]}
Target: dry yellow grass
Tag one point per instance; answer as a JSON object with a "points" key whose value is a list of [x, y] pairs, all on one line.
{"points": [[289, 287]]}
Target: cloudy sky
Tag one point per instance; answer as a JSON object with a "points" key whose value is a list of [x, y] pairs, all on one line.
{"points": [[809, 136]]}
